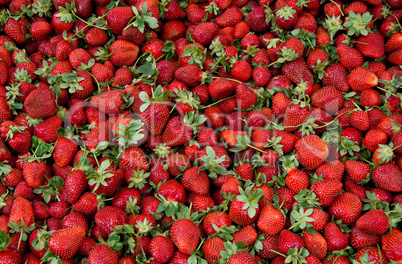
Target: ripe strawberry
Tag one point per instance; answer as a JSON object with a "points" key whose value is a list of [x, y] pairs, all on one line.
{"points": [[241, 70], [118, 17], [286, 17], [10, 256], [388, 177], [361, 79], [22, 210], [245, 97], [242, 257], [162, 248], [311, 151], [196, 181], [204, 33], [185, 235], [336, 239], [373, 222], [18, 137], [40, 103], [17, 30], [359, 239], [34, 173], [373, 254], [65, 243], [326, 191], [75, 185], [221, 88], [110, 102], [123, 53], [47, 130], [346, 207], [212, 248], [271, 220], [102, 254], [315, 244], [177, 132], [229, 17], [295, 44], [256, 19], [288, 240], [335, 75], [349, 57], [297, 180], [391, 244], [173, 191], [295, 115], [395, 57], [247, 234], [220, 219], [108, 217], [155, 117], [357, 171], [328, 99], [297, 71], [359, 120]]}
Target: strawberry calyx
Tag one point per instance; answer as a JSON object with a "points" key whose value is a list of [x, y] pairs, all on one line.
{"points": [[357, 23], [212, 164], [162, 151], [167, 207], [131, 206], [3, 198], [11, 97], [158, 95], [193, 119], [231, 248], [130, 134], [333, 25], [300, 220], [224, 232], [144, 227], [138, 179], [100, 174], [250, 198], [141, 18], [42, 8], [51, 190], [67, 12], [285, 12], [22, 228], [373, 203], [4, 240]]}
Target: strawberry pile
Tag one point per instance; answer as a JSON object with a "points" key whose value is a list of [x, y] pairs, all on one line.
{"points": [[200, 132]]}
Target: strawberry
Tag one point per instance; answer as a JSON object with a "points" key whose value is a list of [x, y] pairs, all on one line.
{"points": [[110, 102], [40, 103], [118, 17], [271, 220], [196, 181], [336, 239], [315, 244], [10, 256], [295, 115], [359, 120], [75, 185], [229, 17], [297, 180], [256, 19], [241, 70], [16, 30], [286, 17], [204, 33], [162, 248], [346, 207], [238, 212], [311, 151], [297, 71], [395, 57], [66, 242], [47, 129], [349, 57], [335, 75], [394, 42], [34, 173], [212, 248], [18, 137], [328, 99], [78, 56], [22, 210], [373, 222], [245, 97], [361, 79], [242, 257], [64, 151], [358, 171], [359, 239], [108, 217], [288, 240], [221, 88], [326, 191], [373, 254], [388, 177], [247, 234], [391, 244], [177, 132], [102, 254], [220, 219], [372, 45], [185, 235], [123, 53]]}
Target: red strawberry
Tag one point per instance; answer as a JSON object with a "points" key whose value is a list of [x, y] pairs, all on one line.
{"points": [[391, 244], [288, 240], [335, 75], [40, 103], [230, 17], [108, 217], [245, 97], [11, 256], [65, 243], [286, 17], [220, 219], [373, 222], [295, 115], [271, 220], [34, 173], [74, 185], [326, 191], [297, 71], [177, 132], [185, 235], [123, 53], [22, 210], [247, 234], [388, 177], [349, 57], [346, 207], [311, 151], [47, 129], [361, 79], [395, 57], [102, 254], [242, 257], [204, 33], [256, 19], [196, 181], [64, 151], [109, 102], [315, 244], [212, 249], [328, 99], [118, 17], [221, 88], [372, 45], [162, 248], [336, 239]]}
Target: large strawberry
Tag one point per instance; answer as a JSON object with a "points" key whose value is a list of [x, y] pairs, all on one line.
{"points": [[123, 53], [65, 243], [185, 235], [311, 151]]}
